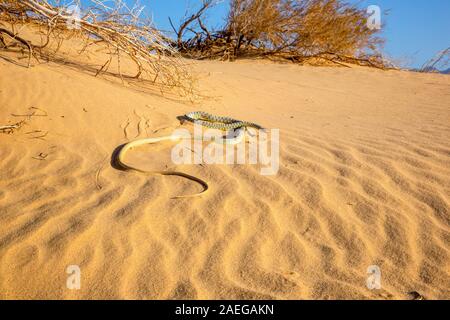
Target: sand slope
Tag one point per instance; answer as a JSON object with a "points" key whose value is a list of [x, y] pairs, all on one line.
{"points": [[364, 180]]}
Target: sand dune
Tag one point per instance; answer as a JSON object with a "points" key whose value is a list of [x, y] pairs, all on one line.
{"points": [[364, 180]]}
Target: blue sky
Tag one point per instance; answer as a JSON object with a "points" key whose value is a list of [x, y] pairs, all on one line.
{"points": [[415, 30]]}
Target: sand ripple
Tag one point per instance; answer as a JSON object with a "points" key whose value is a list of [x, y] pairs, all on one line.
{"points": [[350, 193]]}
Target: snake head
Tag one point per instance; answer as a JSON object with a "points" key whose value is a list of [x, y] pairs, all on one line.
{"points": [[182, 119]]}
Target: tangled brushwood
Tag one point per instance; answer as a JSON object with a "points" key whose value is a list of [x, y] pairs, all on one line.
{"points": [[107, 25], [302, 31], [297, 30], [440, 62]]}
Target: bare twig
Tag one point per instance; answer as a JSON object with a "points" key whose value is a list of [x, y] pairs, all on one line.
{"points": [[442, 59], [20, 40], [116, 28], [12, 127], [32, 114], [40, 137], [180, 32]]}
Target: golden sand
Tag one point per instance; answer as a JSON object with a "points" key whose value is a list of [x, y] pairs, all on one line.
{"points": [[364, 180]]}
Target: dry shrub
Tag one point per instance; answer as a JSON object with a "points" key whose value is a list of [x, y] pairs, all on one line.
{"points": [[108, 26], [439, 63], [290, 29]]}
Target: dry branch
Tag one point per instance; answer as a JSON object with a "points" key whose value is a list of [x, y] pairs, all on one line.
{"points": [[296, 30], [440, 61], [18, 39], [12, 127], [196, 16], [117, 29]]}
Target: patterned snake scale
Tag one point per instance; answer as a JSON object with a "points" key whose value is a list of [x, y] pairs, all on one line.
{"points": [[218, 122]]}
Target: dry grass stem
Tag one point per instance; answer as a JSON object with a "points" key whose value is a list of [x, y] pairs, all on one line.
{"points": [[110, 26]]}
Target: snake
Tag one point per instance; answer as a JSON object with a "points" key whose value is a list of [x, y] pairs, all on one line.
{"points": [[218, 122], [197, 117]]}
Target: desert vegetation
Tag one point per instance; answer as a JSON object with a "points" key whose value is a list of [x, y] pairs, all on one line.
{"points": [[300, 31], [110, 26], [440, 62]]}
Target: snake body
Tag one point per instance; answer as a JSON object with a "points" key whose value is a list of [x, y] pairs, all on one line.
{"points": [[218, 122], [197, 117]]}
